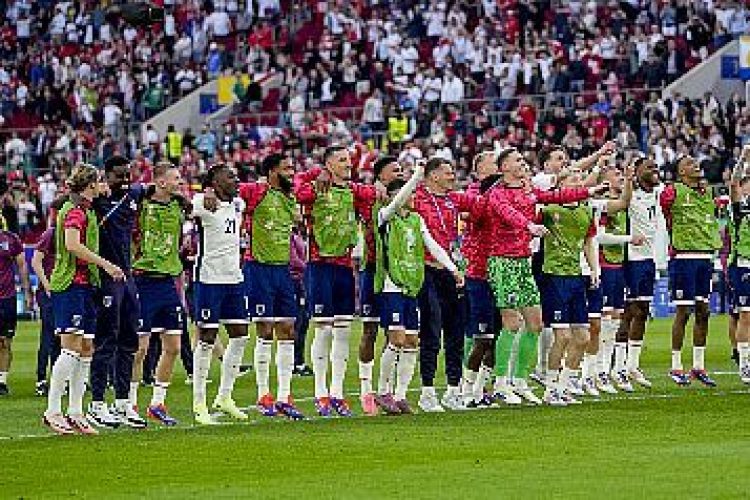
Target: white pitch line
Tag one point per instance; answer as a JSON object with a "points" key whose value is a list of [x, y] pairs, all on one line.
{"points": [[189, 426]]}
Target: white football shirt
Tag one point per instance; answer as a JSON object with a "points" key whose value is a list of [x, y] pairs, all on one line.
{"points": [[218, 259], [645, 218]]}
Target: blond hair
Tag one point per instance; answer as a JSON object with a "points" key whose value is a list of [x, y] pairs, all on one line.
{"points": [[81, 177]]}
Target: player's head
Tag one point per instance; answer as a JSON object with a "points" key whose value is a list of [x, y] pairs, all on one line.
{"points": [[646, 172], [485, 164], [279, 170], [393, 187], [688, 169], [167, 177], [387, 169], [338, 162], [84, 181], [614, 177], [570, 177], [439, 174], [223, 180], [553, 160], [117, 173], [512, 165]]}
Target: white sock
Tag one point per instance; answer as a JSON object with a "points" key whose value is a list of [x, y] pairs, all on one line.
{"points": [[634, 354], [230, 365], [699, 357], [407, 361], [606, 346], [677, 360], [551, 378], [62, 371], [387, 364], [284, 367], [564, 378], [452, 390], [621, 353], [133, 394], [467, 386], [365, 377], [485, 372], [319, 351], [339, 358], [501, 382], [586, 364], [744, 350], [121, 404], [262, 359], [3, 377], [542, 355], [160, 393], [201, 367], [428, 391], [78, 386]]}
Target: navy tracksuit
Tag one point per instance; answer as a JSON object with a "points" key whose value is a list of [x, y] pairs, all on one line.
{"points": [[49, 343], [117, 302], [441, 311]]}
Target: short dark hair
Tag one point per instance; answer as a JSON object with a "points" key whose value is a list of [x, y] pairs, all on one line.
{"points": [[545, 155], [161, 168], [433, 164], [381, 163], [395, 185], [208, 180], [504, 154], [115, 161], [331, 150], [269, 163]]}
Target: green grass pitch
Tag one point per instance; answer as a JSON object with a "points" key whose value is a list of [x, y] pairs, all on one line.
{"points": [[668, 442]]}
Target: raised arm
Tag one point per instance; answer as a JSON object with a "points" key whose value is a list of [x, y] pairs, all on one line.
{"points": [[304, 189], [387, 212], [623, 202]]}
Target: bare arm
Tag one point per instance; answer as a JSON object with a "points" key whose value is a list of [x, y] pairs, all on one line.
{"points": [[36, 265], [401, 197], [623, 201], [79, 250], [23, 272], [589, 252]]}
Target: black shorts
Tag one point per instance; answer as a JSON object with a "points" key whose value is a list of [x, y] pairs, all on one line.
{"points": [[8, 317]]}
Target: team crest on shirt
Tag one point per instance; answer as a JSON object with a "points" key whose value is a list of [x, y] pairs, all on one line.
{"points": [[366, 310], [396, 318], [743, 301], [260, 309], [107, 301], [140, 324], [512, 298], [5, 246], [679, 294], [482, 327], [76, 320], [206, 314], [178, 313], [238, 206], [558, 315], [318, 308], [133, 206]]}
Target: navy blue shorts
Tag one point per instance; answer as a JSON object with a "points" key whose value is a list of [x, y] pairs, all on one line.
{"points": [[8, 317], [398, 312], [564, 301], [740, 279], [594, 299], [640, 277], [75, 311], [690, 280], [215, 304], [368, 300], [613, 288], [161, 307], [270, 292], [119, 309], [481, 310], [330, 291]]}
